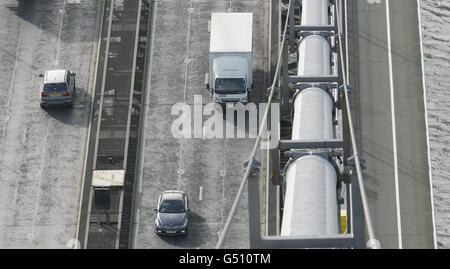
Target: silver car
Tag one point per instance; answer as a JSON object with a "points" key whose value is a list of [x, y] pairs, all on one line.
{"points": [[172, 213], [57, 87]]}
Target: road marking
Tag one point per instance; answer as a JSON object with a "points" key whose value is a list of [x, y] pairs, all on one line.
{"points": [[61, 11], [180, 164], [11, 88], [188, 38], [394, 132], [222, 174], [200, 195]]}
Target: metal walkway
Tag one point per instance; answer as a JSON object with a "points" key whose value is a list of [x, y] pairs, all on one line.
{"points": [[110, 168]]}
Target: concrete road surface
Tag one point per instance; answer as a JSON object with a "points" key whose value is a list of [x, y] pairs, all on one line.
{"points": [[392, 136], [42, 151], [209, 170]]}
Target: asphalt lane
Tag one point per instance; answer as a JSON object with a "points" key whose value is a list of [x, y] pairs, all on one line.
{"points": [[42, 151], [401, 213], [209, 170], [414, 171]]}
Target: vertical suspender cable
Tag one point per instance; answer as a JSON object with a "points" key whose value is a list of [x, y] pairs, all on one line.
{"points": [[258, 139]]}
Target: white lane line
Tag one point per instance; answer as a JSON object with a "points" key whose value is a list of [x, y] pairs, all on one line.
{"points": [[200, 195], [188, 38], [5, 112], [394, 132], [223, 174], [61, 11], [180, 164]]}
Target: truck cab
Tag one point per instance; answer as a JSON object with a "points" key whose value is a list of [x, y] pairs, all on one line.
{"points": [[231, 82]]}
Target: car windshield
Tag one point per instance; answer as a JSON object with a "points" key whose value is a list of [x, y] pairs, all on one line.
{"points": [[171, 206], [230, 85], [55, 87]]}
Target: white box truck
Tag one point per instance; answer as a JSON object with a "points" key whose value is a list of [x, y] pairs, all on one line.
{"points": [[230, 57]]}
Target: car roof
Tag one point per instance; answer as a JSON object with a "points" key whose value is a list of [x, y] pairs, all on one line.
{"points": [[172, 195], [55, 76]]}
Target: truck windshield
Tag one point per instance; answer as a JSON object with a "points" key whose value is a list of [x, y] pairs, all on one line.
{"points": [[230, 85], [55, 87]]}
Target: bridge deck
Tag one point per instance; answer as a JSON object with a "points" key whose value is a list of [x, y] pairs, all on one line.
{"points": [[377, 129]]}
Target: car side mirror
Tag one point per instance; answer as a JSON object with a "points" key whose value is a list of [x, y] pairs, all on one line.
{"points": [[207, 86], [188, 210], [154, 209], [41, 76]]}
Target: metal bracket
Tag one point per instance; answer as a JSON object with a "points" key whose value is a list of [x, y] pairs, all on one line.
{"points": [[311, 144], [255, 169], [341, 89], [362, 161], [347, 175]]}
